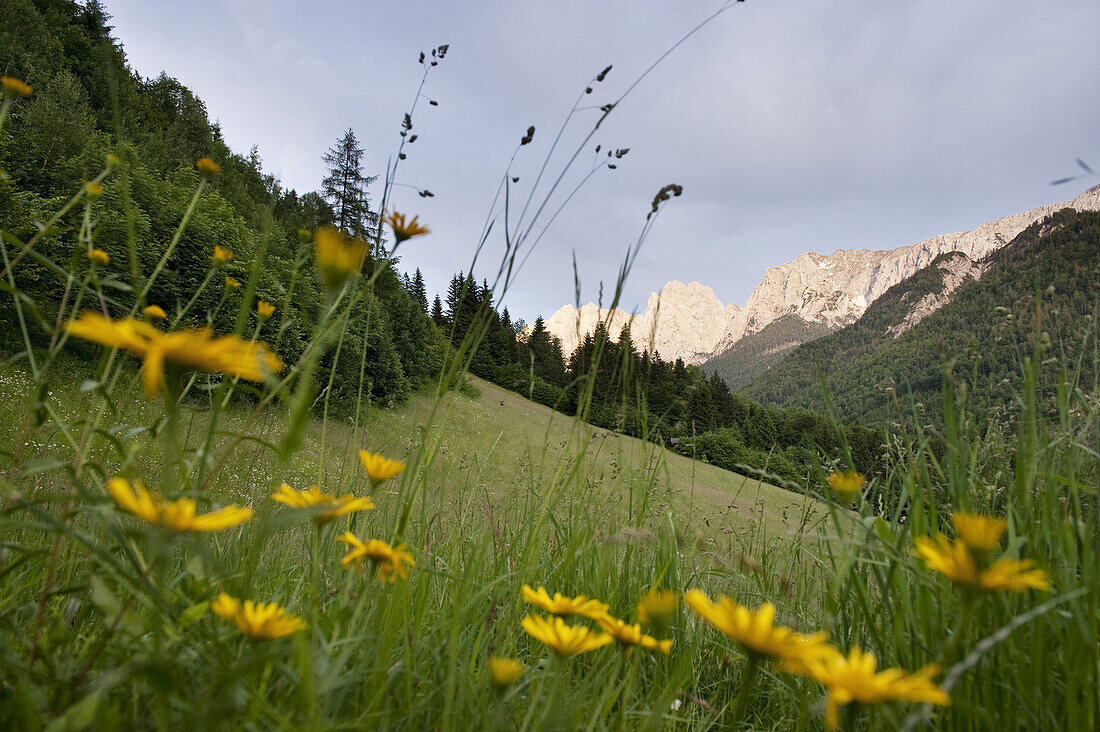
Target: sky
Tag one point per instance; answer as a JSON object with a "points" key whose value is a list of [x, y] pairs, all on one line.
{"points": [[792, 125]]}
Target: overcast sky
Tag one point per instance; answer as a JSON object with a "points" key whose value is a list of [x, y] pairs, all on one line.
{"points": [[793, 125]]}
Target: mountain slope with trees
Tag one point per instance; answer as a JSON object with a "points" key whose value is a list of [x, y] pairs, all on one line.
{"points": [[1037, 299]]}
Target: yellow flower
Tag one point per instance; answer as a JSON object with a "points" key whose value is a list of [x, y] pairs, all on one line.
{"points": [[402, 230], [393, 562], [93, 190], [378, 468], [338, 257], [333, 506], [846, 485], [232, 282], [262, 621], [154, 312], [1014, 576], [950, 558], [564, 640], [264, 309], [113, 161], [14, 87], [631, 635], [177, 515], [852, 678], [562, 605], [954, 560], [980, 533], [207, 167], [221, 254], [188, 349], [755, 632], [504, 672], [98, 256], [655, 608]]}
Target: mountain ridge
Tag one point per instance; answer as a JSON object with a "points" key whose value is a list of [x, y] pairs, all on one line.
{"points": [[689, 322]]}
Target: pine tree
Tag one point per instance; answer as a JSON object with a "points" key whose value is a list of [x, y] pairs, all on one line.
{"points": [[345, 187], [437, 312], [418, 291]]}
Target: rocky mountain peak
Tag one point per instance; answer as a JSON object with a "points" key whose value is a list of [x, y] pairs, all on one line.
{"points": [[688, 321]]}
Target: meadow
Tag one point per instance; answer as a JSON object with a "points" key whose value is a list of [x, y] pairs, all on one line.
{"points": [[155, 573]]}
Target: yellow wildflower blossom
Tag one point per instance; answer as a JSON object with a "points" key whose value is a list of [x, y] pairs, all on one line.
{"points": [[980, 533], [313, 497], [853, 678], [393, 562], [562, 605], [93, 190], [232, 282], [564, 640], [846, 485], [221, 254], [503, 672], [755, 632], [954, 560], [379, 469], [176, 515], [338, 256], [98, 256], [262, 621], [14, 87], [655, 608], [264, 309], [403, 230], [189, 349], [631, 635], [1013, 575], [207, 167], [154, 312]]}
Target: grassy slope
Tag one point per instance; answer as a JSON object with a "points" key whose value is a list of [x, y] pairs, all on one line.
{"points": [[497, 446]]}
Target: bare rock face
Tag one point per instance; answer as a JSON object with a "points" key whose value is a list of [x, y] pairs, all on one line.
{"points": [[689, 322]]}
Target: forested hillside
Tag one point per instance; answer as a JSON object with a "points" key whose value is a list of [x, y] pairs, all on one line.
{"points": [[755, 353], [1038, 297], [88, 104]]}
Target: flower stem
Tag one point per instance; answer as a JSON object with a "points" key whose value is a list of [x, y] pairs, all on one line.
{"points": [[741, 705]]}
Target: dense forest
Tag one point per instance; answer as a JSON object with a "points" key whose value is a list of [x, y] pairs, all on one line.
{"points": [[88, 103], [1038, 299], [142, 137]]}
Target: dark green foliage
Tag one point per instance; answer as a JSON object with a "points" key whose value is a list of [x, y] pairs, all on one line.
{"points": [[345, 187], [87, 104], [756, 353], [1047, 280]]}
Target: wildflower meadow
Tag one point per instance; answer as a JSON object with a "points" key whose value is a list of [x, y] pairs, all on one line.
{"points": [[192, 535]]}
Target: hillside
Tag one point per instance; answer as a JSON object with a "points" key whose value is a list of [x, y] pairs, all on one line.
{"points": [[492, 447], [757, 352], [982, 332]]}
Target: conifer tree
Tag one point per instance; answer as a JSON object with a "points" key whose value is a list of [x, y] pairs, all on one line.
{"points": [[437, 312], [345, 187], [418, 291]]}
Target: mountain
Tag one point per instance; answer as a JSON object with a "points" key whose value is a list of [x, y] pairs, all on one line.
{"points": [[690, 322], [684, 321], [979, 319], [753, 354]]}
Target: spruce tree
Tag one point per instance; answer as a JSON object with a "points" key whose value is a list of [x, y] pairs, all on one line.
{"points": [[418, 291], [437, 312], [345, 187]]}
